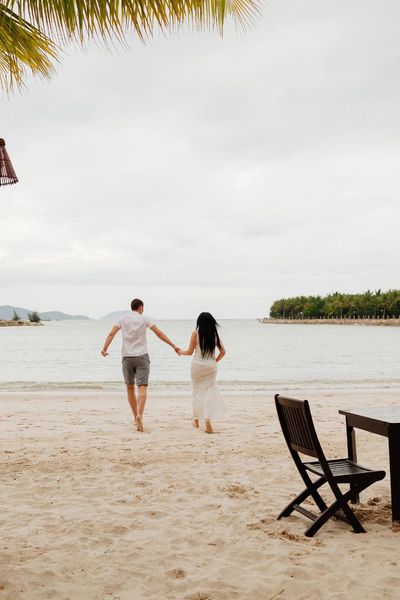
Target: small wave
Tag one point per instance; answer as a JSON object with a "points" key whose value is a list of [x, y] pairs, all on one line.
{"points": [[184, 387], [35, 386]]}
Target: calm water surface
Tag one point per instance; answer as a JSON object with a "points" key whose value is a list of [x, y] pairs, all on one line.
{"points": [[259, 356]]}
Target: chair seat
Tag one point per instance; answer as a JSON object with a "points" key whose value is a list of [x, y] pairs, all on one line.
{"points": [[345, 470]]}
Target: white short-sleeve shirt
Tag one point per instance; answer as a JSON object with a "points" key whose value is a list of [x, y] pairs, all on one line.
{"points": [[133, 328]]}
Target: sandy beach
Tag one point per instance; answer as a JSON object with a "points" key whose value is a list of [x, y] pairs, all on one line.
{"points": [[93, 510]]}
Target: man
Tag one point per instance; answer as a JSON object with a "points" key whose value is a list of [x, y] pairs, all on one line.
{"points": [[135, 357]]}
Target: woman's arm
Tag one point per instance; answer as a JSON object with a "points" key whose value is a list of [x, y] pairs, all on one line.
{"points": [[192, 346], [221, 352]]}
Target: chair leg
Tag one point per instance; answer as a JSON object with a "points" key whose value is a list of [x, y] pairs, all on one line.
{"points": [[353, 521], [309, 491], [339, 504]]}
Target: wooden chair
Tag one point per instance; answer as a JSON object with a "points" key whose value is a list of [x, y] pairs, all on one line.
{"points": [[300, 435]]}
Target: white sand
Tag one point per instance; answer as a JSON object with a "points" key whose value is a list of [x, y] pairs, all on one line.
{"points": [[92, 510]]}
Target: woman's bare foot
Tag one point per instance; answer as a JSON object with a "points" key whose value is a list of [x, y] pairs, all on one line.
{"points": [[139, 423], [209, 429], [196, 423]]}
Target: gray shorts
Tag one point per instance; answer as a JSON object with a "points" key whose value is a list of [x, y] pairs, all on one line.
{"points": [[136, 369]]}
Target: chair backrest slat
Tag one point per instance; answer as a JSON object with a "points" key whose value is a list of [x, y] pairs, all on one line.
{"points": [[297, 426]]}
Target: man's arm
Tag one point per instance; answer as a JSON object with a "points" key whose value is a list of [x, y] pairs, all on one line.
{"points": [[161, 335], [109, 339]]}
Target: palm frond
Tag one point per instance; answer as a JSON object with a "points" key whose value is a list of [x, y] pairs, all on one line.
{"points": [[109, 18], [28, 28], [22, 48]]}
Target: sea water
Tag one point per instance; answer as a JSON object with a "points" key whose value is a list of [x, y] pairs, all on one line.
{"points": [[259, 356]]}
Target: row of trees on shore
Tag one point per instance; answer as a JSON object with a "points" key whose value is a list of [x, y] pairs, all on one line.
{"points": [[372, 305], [34, 316]]}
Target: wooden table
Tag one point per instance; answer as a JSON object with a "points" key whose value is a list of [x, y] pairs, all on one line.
{"points": [[383, 420]]}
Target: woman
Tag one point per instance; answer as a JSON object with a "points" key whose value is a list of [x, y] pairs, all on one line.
{"points": [[207, 400]]}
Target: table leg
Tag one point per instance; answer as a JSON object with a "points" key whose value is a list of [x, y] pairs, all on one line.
{"points": [[352, 454], [394, 461]]}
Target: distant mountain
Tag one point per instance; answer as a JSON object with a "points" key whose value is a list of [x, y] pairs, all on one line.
{"points": [[56, 315], [7, 313], [114, 315]]}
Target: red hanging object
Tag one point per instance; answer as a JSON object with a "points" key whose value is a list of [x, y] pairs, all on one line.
{"points": [[7, 173]]}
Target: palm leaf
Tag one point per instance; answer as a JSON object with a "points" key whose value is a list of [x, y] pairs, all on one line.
{"points": [[22, 47], [107, 18], [28, 27]]}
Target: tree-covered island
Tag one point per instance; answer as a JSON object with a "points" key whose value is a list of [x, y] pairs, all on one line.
{"points": [[368, 305]]}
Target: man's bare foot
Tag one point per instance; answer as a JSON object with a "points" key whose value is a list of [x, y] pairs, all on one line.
{"points": [[196, 423], [209, 429], [139, 423]]}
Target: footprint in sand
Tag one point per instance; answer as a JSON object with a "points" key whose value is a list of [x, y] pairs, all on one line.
{"points": [[178, 573]]}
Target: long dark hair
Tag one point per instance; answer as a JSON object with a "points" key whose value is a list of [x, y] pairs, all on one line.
{"points": [[208, 335]]}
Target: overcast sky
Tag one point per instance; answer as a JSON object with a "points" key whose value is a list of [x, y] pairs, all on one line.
{"points": [[201, 173]]}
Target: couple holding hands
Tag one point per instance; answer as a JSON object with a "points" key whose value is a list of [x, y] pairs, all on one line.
{"points": [[204, 341]]}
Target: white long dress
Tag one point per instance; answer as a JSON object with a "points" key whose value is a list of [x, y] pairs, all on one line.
{"points": [[207, 400]]}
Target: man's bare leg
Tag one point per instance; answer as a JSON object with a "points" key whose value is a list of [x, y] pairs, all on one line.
{"points": [[130, 390], [142, 397]]}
